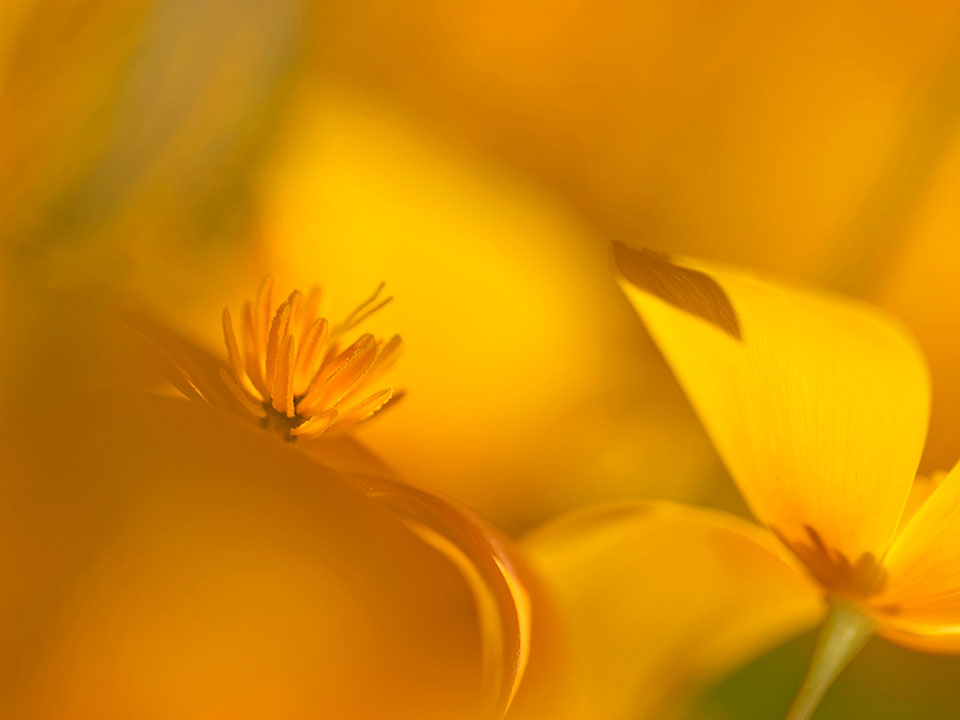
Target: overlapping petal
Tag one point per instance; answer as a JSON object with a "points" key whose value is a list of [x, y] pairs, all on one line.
{"points": [[494, 571], [818, 405], [170, 557], [925, 638], [923, 566], [656, 599], [176, 565], [524, 398]]}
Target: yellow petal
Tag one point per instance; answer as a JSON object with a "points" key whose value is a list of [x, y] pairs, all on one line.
{"points": [[817, 404], [923, 565], [559, 362], [169, 560], [657, 599]]}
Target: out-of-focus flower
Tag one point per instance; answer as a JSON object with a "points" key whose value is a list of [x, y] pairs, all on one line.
{"points": [[654, 601], [819, 408], [817, 142], [711, 128], [133, 137], [171, 558], [524, 400], [920, 287], [188, 527]]}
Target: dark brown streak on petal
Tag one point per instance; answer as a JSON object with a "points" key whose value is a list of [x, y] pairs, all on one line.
{"points": [[689, 290]]}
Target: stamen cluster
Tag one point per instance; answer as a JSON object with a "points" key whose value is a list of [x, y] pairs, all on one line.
{"points": [[288, 369]]}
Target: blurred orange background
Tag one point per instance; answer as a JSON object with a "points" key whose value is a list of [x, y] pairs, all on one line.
{"points": [[480, 157]]}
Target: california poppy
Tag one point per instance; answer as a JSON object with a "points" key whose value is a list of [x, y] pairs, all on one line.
{"points": [[818, 406]]}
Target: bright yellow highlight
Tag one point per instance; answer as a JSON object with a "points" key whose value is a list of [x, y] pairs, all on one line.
{"points": [[288, 368], [818, 406]]}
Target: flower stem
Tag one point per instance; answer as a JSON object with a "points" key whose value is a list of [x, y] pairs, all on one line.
{"points": [[844, 633]]}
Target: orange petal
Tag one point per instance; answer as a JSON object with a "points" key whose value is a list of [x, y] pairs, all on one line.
{"points": [[498, 577], [939, 639], [139, 349], [180, 563]]}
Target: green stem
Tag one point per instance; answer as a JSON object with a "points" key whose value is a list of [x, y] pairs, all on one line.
{"points": [[844, 633]]}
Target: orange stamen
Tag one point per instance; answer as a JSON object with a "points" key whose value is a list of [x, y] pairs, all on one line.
{"points": [[316, 425], [285, 363]]}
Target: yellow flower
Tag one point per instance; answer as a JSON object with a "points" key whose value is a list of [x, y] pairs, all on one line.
{"points": [[202, 470], [168, 558], [524, 401], [818, 406]]}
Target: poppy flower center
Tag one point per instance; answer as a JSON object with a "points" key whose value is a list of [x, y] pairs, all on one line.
{"points": [[839, 575], [290, 369]]}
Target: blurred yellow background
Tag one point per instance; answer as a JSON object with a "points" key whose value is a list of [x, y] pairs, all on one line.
{"points": [[480, 157]]}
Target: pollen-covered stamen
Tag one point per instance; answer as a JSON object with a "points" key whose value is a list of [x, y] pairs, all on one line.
{"points": [[387, 356], [337, 377], [364, 409], [316, 425], [286, 367], [310, 356], [283, 386], [278, 330], [333, 361]]}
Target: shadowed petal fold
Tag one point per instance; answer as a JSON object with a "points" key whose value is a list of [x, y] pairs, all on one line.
{"points": [[495, 574]]}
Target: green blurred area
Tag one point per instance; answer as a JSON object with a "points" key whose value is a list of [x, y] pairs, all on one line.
{"points": [[885, 682]]}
